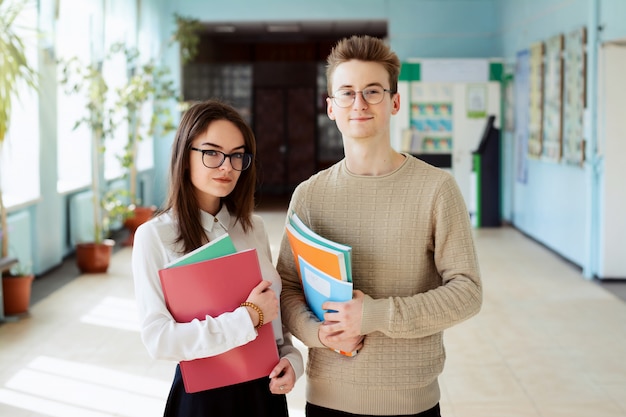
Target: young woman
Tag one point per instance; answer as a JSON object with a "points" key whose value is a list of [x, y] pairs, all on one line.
{"points": [[211, 192]]}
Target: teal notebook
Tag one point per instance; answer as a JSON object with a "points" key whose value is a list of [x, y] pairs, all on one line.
{"points": [[216, 248]]}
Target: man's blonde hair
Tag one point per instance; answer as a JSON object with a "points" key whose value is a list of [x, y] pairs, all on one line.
{"points": [[363, 48]]}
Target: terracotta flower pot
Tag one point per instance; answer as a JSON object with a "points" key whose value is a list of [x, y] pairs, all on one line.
{"points": [[140, 215], [16, 293], [94, 257]]}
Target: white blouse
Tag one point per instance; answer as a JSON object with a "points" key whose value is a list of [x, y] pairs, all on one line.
{"points": [[166, 339]]}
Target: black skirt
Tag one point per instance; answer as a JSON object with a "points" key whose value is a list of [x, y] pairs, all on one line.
{"points": [[251, 398]]}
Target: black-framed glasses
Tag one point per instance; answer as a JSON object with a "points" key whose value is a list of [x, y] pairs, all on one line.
{"points": [[240, 161], [345, 97]]}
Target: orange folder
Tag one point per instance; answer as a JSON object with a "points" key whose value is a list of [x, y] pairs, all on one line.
{"points": [[210, 288], [325, 259]]}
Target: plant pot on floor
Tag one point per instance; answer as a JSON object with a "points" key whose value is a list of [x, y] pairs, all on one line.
{"points": [[16, 293], [139, 216], [94, 258]]}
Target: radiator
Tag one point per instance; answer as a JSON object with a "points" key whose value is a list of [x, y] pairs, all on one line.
{"points": [[20, 237], [81, 218]]}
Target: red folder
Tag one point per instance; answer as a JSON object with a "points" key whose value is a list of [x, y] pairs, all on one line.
{"points": [[211, 288]]}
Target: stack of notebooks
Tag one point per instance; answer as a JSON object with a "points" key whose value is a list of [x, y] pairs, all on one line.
{"points": [[324, 266], [209, 281]]}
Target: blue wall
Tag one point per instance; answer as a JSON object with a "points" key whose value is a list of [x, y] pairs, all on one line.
{"points": [[612, 18], [444, 29], [550, 205], [523, 22], [558, 205]]}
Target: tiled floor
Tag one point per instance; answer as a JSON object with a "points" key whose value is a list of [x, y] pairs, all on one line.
{"points": [[547, 343]]}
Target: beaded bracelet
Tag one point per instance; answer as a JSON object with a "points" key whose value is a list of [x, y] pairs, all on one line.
{"points": [[257, 309]]}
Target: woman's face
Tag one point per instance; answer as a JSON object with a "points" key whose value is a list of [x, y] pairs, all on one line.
{"points": [[211, 184]]}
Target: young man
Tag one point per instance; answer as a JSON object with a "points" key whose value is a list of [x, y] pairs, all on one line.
{"points": [[414, 266]]}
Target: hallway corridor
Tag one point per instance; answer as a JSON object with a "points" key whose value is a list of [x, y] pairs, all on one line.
{"points": [[547, 343]]}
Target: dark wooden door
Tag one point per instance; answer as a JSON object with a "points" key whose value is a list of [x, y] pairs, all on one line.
{"points": [[285, 126]]}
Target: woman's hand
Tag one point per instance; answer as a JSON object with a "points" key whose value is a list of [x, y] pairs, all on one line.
{"points": [[265, 298], [282, 377]]}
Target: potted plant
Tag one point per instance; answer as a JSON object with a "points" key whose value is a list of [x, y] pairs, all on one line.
{"points": [[149, 87], [88, 80], [147, 84], [187, 36], [150, 84], [14, 72], [16, 289]]}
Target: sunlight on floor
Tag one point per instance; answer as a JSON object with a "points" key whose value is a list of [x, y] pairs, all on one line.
{"points": [[116, 312], [62, 388]]}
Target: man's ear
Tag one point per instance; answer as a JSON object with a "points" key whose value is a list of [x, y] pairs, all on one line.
{"points": [[395, 104], [329, 109]]}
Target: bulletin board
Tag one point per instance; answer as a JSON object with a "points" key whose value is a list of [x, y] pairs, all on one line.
{"points": [[575, 97], [535, 122], [551, 149], [522, 114]]}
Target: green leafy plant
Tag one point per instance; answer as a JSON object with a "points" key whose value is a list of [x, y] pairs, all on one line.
{"points": [[15, 70], [149, 88], [188, 37], [148, 85], [88, 81]]}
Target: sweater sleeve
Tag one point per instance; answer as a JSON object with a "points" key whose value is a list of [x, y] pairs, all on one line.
{"points": [[296, 315], [459, 296]]}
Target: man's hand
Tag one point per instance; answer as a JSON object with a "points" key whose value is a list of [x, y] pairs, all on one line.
{"points": [[341, 328]]}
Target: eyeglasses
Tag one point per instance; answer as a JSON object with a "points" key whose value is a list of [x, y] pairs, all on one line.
{"points": [[372, 95], [240, 161]]}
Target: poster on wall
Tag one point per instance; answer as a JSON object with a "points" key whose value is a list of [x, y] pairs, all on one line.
{"points": [[535, 121], [431, 127], [553, 100], [522, 113], [476, 101], [575, 97]]}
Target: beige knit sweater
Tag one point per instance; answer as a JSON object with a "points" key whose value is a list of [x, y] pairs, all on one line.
{"points": [[413, 256]]}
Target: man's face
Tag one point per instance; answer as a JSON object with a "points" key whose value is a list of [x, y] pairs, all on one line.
{"points": [[362, 119]]}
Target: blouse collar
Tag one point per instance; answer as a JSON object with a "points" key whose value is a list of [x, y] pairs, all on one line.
{"points": [[222, 218]]}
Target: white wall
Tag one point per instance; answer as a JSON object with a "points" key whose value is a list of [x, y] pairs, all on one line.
{"points": [[612, 146]]}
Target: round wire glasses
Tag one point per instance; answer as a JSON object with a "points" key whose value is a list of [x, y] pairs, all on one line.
{"points": [[345, 97]]}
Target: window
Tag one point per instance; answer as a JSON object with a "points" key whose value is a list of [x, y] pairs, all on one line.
{"points": [[76, 30], [120, 28], [114, 70], [20, 151]]}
